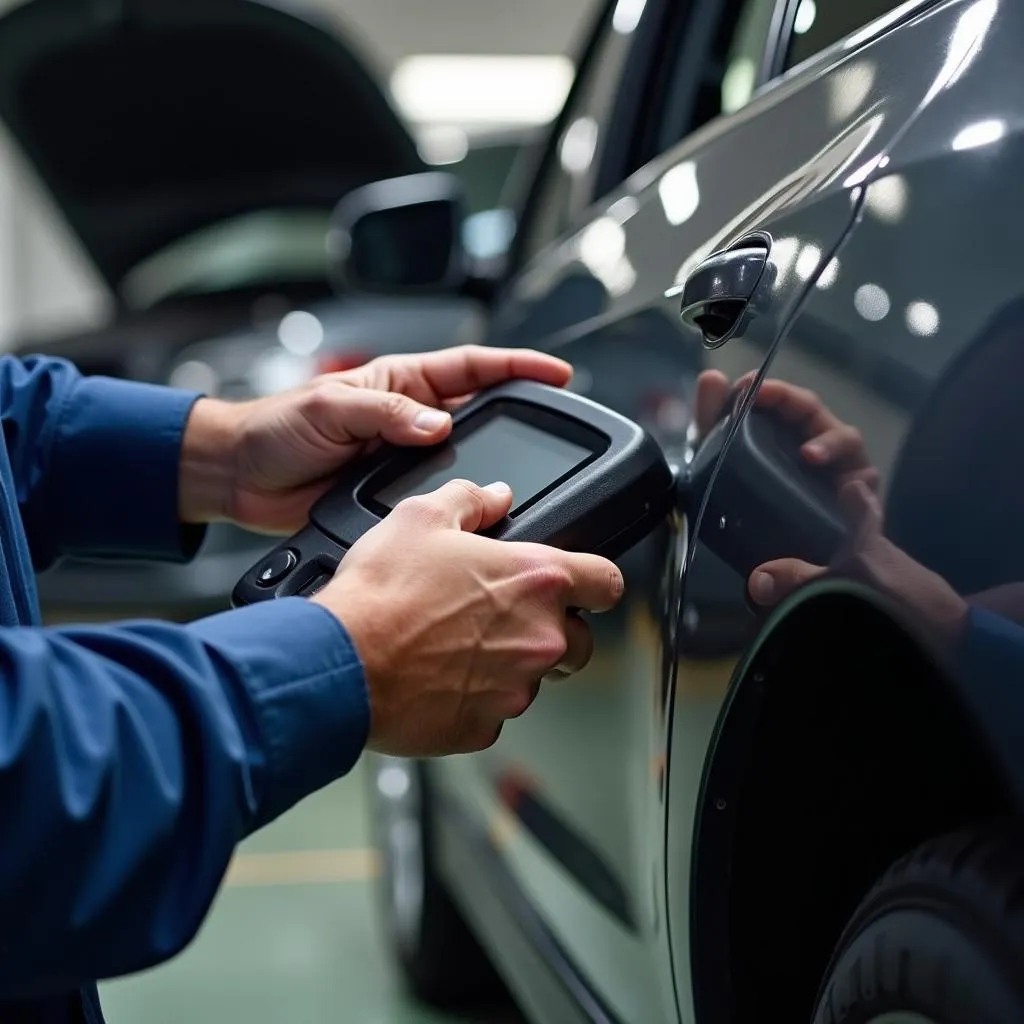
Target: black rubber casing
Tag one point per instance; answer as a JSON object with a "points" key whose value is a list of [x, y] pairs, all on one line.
{"points": [[607, 505], [766, 501]]}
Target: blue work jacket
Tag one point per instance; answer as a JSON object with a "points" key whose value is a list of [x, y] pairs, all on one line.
{"points": [[134, 757]]}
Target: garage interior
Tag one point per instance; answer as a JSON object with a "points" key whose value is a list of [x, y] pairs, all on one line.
{"points": [[293, 936]]}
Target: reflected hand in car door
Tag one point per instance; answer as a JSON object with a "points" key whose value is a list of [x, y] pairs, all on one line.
{"points": [[867, 555]]}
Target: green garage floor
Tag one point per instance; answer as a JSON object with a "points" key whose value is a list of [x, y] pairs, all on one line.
{"points": [[291, 940]]}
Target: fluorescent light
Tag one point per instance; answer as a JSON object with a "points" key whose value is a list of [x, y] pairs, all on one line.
{"points": [[872, 302], [828, 276], [679, 192], [981, 133], [805, 15], [464, 89], [887, 198], [738, 84], [849, 88], [301, 333], [579, 143], [627, 15], [922, 319], [195, 376], [602, 250], [807, 262]]}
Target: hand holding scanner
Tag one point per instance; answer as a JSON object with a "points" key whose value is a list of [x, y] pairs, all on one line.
{"points": [[766, 501], [583, 477]]}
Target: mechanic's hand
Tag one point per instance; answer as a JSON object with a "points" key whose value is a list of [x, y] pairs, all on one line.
{"points": [[263, 463], [456, 631], [869, 557], [830, 443]]}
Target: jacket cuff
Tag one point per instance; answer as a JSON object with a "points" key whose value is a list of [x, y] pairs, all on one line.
{"points": [[116, 469], [308, 691]]}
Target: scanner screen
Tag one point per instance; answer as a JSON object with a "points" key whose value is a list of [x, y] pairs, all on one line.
{"points": [[529, 460]]}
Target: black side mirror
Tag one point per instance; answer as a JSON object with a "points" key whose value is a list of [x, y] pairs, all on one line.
{"points": [[402, 235]]}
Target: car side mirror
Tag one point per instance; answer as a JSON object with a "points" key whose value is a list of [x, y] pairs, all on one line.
{"points": [[401, 235]]}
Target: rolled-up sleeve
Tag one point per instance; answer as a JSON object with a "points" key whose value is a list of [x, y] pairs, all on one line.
{"points": [[133, 759], [96, 462]]}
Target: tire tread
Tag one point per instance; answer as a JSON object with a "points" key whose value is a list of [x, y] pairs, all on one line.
{"points": [[972, 880]]}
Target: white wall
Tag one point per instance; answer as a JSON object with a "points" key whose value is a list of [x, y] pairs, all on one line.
{"points": [[46, 285]]}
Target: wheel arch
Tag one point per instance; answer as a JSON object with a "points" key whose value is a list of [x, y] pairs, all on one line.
{"points": [[813, 786]]}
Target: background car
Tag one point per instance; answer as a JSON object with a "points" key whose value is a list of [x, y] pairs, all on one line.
{"points": [[205, 203], [734, 813]]}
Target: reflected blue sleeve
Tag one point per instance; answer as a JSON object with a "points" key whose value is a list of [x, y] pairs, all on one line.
{"points": [[134, 758], [993, 647], [991, 658], [96, 462]]}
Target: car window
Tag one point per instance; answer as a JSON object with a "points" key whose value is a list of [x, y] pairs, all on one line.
{"points": [[716, 66], [568, 174], [818, 24], [745, 56]]}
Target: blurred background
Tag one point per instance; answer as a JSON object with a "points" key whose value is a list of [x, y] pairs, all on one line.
{"points": [[464, 74], [166, 191]]}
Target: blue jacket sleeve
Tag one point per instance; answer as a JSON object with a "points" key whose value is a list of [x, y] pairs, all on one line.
{"points": [[96, 462], [132, 761], [991, 660]]}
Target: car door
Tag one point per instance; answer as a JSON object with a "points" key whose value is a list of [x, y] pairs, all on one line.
{"points": [[908, 342], [575, 790]]}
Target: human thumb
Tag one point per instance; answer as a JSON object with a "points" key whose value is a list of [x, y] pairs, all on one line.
{"points": [[367, 414], [774, 581], [461, 505]]}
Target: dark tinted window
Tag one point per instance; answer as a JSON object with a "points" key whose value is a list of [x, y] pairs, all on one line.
{"points": [[820, 23], [711, 59], [568, 175]]}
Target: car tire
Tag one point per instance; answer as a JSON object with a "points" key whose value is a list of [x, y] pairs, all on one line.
{"points": [[441, 962], [939, 940]]}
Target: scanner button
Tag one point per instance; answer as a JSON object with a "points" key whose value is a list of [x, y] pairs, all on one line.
{"points": [[275, 567]]}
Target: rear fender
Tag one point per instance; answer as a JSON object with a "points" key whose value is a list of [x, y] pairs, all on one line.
{"points": [[843, 744]]}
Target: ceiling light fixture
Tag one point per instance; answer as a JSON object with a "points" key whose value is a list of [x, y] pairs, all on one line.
{"points": [[481, 89]]}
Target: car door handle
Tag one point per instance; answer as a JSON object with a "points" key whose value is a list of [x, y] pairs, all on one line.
{"points": [[719, 291]]}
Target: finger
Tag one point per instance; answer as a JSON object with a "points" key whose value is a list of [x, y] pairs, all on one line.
{"points": [[774, 581], [485, 737], [522, 702], [869, 476], [460, 505], [798, 406], [712, 391], [345, 412], [459, 371], [579, 647], [596, 585], [863, 512], [841, 447]]}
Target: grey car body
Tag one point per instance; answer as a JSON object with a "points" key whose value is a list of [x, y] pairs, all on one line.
{"points": [[684, 831]]}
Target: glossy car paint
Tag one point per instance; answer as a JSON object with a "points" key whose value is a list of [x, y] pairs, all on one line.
{"points": [[913, 338], [589, 805]]}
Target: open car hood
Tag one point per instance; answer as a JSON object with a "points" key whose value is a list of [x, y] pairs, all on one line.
{"points": [[149, 120]]}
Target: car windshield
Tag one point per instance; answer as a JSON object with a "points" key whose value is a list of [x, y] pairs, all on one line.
{"points": [[282, 246]]}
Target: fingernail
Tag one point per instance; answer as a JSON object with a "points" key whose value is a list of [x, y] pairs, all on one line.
{"points": [[499, 487], [762, 588], [815, 450], [430, 420]]}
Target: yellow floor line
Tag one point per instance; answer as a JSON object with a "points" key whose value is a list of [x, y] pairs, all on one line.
{"points": [[302, 867]]}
